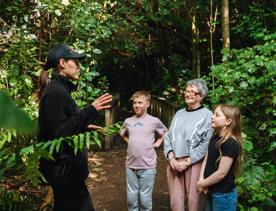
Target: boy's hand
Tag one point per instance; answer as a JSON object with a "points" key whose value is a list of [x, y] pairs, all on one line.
{"points": [[156, 144], [125, 138], [159, 141]]}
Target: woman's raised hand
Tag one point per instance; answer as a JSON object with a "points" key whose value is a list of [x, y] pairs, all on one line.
{"points": [[102, 102], [94, 127]]}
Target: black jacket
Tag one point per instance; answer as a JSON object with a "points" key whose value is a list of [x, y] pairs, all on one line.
{"points": [[59, 116]]}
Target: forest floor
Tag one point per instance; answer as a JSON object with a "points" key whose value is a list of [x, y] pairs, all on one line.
{"points": [[107, 181]]}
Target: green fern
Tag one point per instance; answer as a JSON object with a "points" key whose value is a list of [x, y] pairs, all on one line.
{"points": [[31, 155]]}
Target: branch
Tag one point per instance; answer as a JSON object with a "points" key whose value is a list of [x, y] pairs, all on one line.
{"points": [[121, 53]]}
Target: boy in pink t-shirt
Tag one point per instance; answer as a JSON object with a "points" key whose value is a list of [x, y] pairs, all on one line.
{"points": [[139, 131]]}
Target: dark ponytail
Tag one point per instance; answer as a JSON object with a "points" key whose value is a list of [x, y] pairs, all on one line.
{"points": [[42, 82]]}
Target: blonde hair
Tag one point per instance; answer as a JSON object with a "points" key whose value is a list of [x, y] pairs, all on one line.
{"points": [[233, 130], [141, 93]]}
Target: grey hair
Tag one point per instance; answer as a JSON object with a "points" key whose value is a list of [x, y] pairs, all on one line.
{"points": [[201, 86]]}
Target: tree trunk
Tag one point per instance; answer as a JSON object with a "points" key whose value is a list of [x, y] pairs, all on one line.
{"points": [[225, 25], [212, 28], [195, 48]]}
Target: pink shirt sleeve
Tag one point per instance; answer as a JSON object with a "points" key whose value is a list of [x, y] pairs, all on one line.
{"points": [[160, 127]]}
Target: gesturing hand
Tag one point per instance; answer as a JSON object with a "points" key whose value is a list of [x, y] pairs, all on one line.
{"points": [[102, 101], [94, 127]]}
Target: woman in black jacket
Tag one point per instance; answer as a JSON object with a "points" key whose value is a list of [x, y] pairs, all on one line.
{"points": [[59, 116]]}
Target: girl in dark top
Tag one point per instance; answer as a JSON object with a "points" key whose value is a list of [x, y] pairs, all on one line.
{"points": [[59, 116], [223, 160]]}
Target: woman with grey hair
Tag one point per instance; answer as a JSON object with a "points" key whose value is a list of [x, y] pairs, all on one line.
{"points": [[185, 146]]}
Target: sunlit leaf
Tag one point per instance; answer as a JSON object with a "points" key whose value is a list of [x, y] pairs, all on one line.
{"points": [[13, 117]]}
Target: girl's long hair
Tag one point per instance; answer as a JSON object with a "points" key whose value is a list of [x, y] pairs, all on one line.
{"points": [[232, 131]]}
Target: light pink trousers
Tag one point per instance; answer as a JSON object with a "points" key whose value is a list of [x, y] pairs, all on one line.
{"points": [[182, 188]]}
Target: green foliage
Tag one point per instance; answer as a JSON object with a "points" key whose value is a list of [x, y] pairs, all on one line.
{"points": [[29, 156], [17, 78], [254, 22], [13, 118], [14, 201], [87, 90], [257, 183], [92, 25]]}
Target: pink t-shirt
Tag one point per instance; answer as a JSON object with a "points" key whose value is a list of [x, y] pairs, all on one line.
{"points": [[141, 133]]}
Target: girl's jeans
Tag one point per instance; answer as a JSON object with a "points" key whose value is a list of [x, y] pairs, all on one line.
{"points": [[222, 201], [140, 183]]}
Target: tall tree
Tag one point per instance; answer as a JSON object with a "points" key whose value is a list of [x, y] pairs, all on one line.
{"points": [[225, 24], [212, 28], [195, 42]]}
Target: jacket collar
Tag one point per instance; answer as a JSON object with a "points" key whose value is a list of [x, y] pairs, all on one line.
{"points": [[69, 86]]}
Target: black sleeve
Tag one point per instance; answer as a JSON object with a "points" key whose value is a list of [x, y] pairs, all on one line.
{"points": [[230, 148], [59, 121]]}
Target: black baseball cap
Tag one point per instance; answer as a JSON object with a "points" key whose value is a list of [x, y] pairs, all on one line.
{"points": [[61, 51]]}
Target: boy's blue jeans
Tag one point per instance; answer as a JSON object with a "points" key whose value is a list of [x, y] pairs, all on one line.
{"points": [[140, 182], [222, 201]]}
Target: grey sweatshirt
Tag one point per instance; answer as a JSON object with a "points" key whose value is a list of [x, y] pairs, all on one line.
{"points": [[189, 134]]}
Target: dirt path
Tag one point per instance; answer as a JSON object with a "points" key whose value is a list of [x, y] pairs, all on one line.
{"points": [[108, 184]]}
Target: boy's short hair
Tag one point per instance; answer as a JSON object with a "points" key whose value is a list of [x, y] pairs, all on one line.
{"points": [[141, 93]]}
